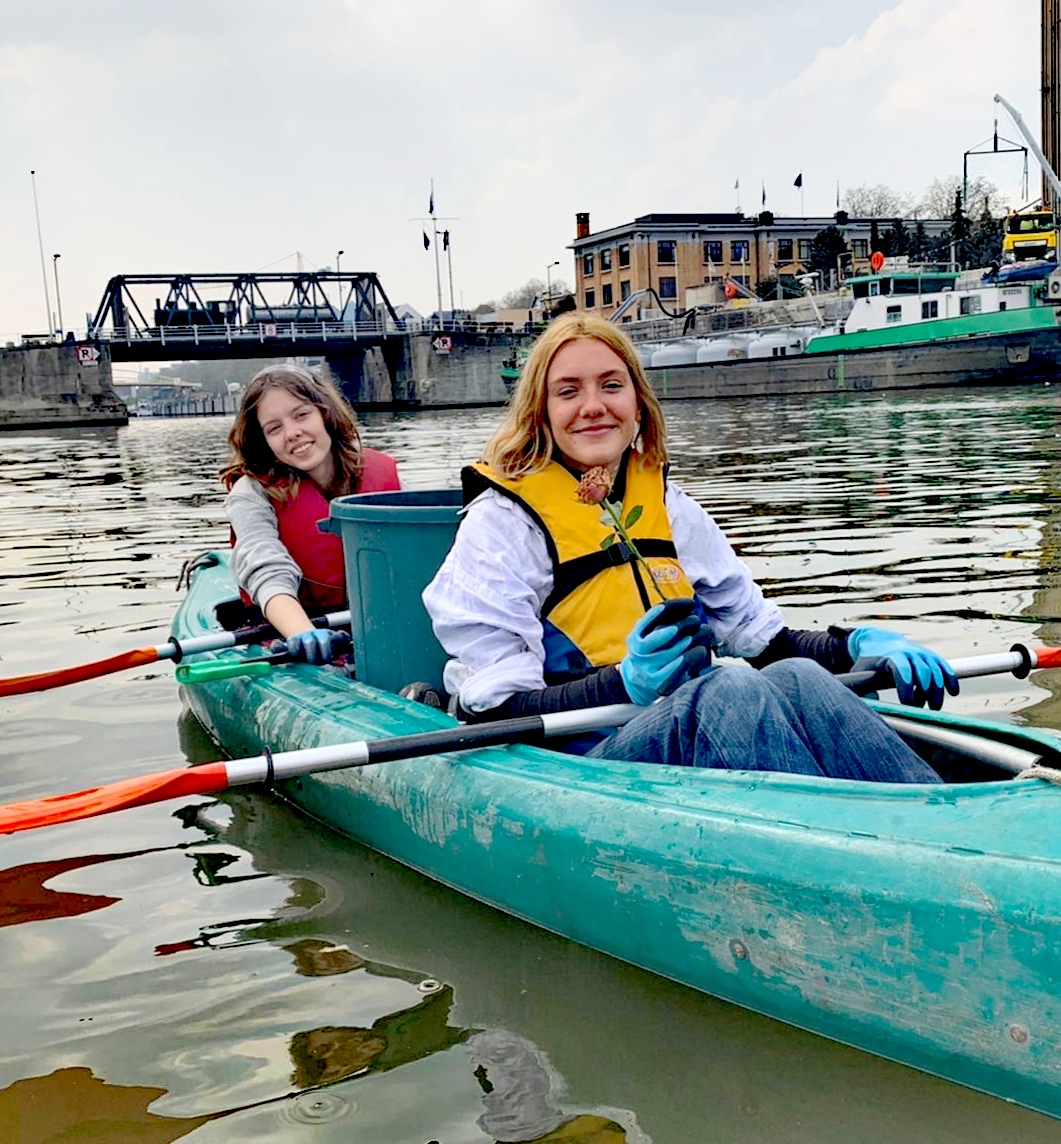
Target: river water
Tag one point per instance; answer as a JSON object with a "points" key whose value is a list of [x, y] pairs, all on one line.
{"points": [[225, 971]]}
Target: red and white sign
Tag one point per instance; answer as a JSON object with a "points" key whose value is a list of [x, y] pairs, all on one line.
{"points": [[443, 344], [87, 355]]}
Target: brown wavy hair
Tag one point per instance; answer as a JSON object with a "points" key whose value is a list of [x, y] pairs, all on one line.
{"points": [[251, 454], [523, 442]]}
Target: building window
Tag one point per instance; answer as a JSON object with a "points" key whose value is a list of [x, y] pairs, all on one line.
{"points": [[587, 265], [895, 313], [624, 255], [738, 251], [930, 309], [804, 249], [624, 289], [860, 248], [606, 294], [606, 260], [784, 250], [712, 251], [665, 252], [668, 287], [591, 299]]}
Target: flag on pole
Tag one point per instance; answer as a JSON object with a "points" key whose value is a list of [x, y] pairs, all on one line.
{"points": [[431, 202], [837, 194], [799, 180], [445, 240], [764, 192], [427, 241]]}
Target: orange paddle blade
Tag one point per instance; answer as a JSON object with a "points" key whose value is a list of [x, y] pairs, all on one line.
{"points": [[42, 680], [1047, 657], [178, 783]]}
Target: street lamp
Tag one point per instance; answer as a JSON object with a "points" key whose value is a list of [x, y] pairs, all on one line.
{"points": [[58, 303], [549, 286], [338, 255]]}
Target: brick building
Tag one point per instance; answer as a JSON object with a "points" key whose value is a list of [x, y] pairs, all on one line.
{"points": [[676, 253]]}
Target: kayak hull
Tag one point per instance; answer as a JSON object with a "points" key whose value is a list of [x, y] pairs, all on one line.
{"points": [[922, 924]]}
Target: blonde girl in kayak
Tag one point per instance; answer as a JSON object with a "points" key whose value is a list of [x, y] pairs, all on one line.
{"points": [[549, 600]]}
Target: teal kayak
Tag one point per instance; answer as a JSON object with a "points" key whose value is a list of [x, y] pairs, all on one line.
{"points": [[922, 924]]}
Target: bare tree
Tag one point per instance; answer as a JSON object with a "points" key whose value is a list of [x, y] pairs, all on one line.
{"points": [[524, 297], [878, 201], [938, 199]]}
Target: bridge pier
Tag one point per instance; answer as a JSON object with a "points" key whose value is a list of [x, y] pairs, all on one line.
{"points": [[49, 385], [468, 373], [425, 369]]}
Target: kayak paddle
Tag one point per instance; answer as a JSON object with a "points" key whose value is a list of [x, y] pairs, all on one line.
{"points": [[172, 649], [1019, 660], [211, 778]]}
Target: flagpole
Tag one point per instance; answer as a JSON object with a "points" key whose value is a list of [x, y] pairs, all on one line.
{"points": [[44, 273], [438, 270]]}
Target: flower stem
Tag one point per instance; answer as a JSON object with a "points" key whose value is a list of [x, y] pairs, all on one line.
{"points": [[624, 536]]}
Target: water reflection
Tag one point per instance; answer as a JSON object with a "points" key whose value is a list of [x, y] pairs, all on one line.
{"points": [[26, 897], [72, 1103]]}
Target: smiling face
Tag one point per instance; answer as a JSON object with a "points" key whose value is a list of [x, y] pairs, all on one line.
{"points": [[295, 431], [591, 404]]}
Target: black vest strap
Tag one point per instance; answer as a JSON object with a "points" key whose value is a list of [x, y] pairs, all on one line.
{"points": [[573, 573]]}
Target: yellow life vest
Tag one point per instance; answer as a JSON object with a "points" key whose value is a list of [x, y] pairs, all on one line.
{"points": [[599, 592]]}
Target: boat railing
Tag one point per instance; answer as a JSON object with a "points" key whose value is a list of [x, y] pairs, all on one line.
{"points": [[821, 310]]}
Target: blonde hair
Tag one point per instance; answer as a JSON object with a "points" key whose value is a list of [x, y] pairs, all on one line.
{"points": [[523, 442], [251, 453]]}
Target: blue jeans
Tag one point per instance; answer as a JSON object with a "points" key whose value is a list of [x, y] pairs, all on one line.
{"points": [[791, 716]]}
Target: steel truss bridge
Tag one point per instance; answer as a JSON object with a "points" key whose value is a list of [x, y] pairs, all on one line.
{"points": [[151, 317]]}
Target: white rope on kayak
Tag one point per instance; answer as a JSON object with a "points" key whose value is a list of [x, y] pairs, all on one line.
{"points": [[1039, 771]]}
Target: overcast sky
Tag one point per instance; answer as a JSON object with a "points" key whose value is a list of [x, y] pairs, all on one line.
{"points": [[227, 136]]}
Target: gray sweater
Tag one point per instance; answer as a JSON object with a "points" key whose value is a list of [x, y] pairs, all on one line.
{"points": [[261, 564]]}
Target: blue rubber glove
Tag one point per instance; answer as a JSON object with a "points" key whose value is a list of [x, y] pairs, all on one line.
{"points": [[920, 674], [319, 645], [661, 655]]}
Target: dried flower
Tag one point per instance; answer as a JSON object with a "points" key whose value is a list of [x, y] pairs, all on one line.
{"points": [[594, 488], [595, 485]]}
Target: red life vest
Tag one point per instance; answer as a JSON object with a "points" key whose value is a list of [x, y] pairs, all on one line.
{"points": [[319, 555]]}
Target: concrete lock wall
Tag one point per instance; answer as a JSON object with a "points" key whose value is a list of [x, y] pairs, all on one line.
{"points": [[424, 370], [469, 374], [50, 386]]}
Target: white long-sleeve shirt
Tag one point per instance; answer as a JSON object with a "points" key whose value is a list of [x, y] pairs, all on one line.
{"points": [[485, 601]]}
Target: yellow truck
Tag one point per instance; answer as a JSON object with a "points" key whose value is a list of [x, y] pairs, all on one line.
{"points": [[1029, 234]]}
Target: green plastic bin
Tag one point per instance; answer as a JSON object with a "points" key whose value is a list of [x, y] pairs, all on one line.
{"points": [[393, 544]]}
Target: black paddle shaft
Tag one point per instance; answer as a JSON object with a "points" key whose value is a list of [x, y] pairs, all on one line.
{"points": [[463, 737]]}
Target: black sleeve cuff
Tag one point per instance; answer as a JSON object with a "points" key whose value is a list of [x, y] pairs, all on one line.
{"points": [[594, 690], [829, 648]]}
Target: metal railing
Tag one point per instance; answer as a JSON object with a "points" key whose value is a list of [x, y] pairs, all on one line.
{"points": [[261, 332]]}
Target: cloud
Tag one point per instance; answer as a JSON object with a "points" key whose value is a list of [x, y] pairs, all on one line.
{"points": [[245, 131]]}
